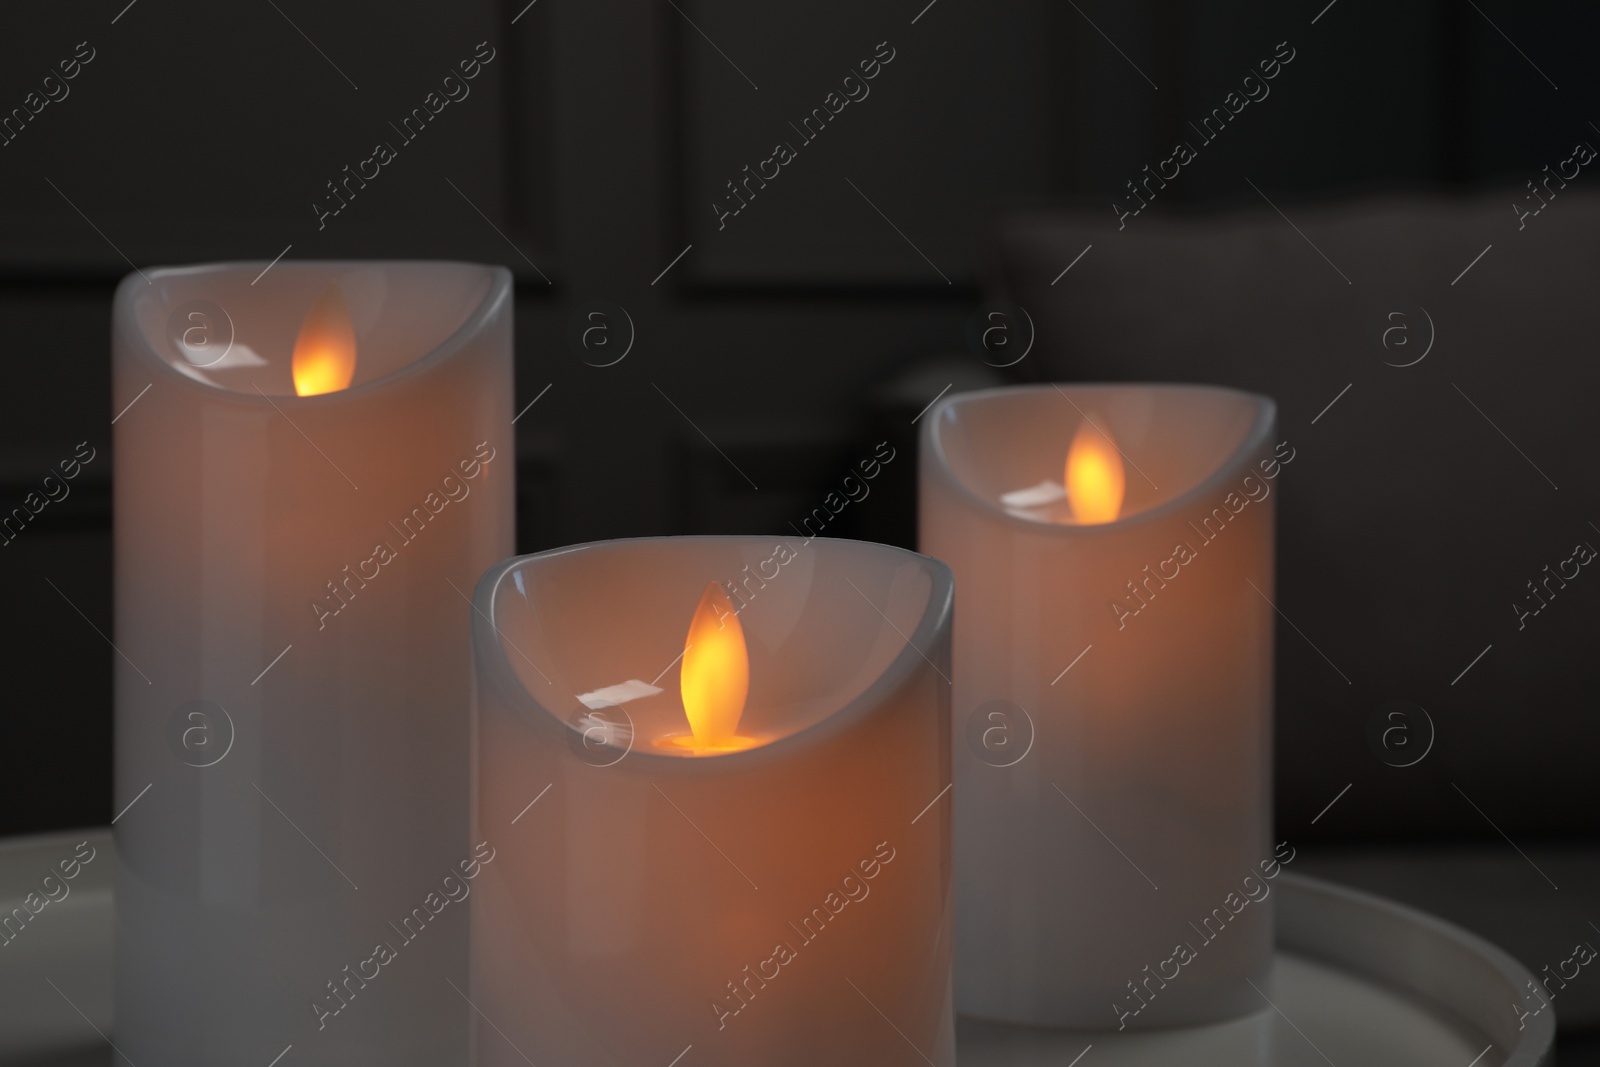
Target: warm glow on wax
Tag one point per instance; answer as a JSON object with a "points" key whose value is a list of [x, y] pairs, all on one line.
{"points": [[716, 672], [1094, 479], [325, 351]]}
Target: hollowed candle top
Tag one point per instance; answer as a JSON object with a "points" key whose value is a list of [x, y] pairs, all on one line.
{"points": [[252, 331], [1004, 450], [589, 642]]}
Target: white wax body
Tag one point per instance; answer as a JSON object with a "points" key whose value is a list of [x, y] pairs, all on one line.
{"points": [[1113, 741], [762, 906], [333, 799]]}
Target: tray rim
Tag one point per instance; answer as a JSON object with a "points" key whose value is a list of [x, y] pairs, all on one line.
{"points": [[1531, 1047]]}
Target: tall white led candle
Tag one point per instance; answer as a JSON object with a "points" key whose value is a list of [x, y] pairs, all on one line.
{"points": [[313, 467], [1113, 552]]}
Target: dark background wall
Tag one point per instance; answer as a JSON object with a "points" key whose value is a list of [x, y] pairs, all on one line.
{"points": [[588, 157]]}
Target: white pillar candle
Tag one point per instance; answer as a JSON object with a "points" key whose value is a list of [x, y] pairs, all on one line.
{"points": [[765, 880], [1113, 697], [292, 688]]}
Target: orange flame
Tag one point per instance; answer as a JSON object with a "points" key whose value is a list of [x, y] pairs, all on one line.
{"points": [[715, 677], [325, 351], [1095, 480]]}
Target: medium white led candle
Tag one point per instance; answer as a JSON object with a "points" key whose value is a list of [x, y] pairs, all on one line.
{"points": [[314, 465], [723, 809], [1113, 549]]}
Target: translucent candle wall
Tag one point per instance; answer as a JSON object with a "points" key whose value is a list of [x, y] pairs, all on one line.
{"points": [[292, 689], [787, 904], [1113, 699]]}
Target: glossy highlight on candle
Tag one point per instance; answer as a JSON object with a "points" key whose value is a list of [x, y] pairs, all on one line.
{"points": [[325, 352]]}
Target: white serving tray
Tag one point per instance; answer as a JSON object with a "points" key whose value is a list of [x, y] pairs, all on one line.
{"points": [[1359, 981]]}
